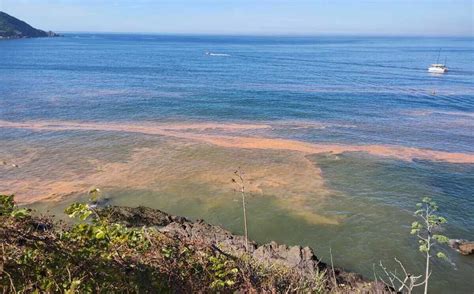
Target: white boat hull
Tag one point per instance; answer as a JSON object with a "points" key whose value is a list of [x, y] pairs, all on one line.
{"points": [[437, 70]]}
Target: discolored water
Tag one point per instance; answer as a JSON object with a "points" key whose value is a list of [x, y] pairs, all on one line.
{"points": [[338, 136]]}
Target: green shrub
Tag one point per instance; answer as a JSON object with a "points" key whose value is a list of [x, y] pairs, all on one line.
{"points": [[95, 255]]}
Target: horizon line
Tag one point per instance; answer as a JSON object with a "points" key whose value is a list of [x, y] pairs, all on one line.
{"points": [[302, 35]]}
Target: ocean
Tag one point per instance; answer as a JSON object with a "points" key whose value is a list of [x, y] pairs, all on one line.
{"points": [[337, 137]]}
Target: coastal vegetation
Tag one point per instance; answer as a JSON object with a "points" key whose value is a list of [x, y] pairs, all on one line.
{"points": [[427, 232], [113, 250], [13, 28], [121, 249]]}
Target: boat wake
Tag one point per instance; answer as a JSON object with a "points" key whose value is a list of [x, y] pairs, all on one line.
{"points": [[217, 54]]}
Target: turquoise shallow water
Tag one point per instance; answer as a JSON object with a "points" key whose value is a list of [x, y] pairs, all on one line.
{"points": [[342, 90]]}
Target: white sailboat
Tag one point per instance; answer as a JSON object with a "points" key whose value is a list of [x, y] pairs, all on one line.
{"points": [[438, 67]]}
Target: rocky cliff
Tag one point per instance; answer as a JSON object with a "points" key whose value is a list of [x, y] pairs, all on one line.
{"points": [[297, 258]]}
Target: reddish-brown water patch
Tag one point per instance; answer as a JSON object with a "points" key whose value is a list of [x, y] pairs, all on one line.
{"points": [[185, 131]]}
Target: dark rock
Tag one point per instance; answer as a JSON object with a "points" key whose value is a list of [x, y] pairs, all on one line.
{"points": [[462, 246], [42, 226], [300, 259], [295, 257], [139, 216], [206, 233]]}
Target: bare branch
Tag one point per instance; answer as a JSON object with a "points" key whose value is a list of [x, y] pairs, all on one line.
{"points": [[401, 265]]}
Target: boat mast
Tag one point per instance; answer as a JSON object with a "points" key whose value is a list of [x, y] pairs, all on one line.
{"points": [[439, 53]]}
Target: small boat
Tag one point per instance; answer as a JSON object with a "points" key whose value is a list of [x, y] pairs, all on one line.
{"points": [[438, 67]]}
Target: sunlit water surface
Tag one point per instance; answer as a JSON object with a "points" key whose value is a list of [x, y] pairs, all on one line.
{"points": [[155, 121]]}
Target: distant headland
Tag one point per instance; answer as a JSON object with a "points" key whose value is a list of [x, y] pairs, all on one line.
{"points": [[13, 28]]}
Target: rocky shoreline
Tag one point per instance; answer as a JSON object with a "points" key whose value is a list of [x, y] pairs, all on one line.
{"points": [[297, 258], [49, 34]]}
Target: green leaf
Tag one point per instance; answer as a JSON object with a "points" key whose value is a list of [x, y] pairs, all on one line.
{"points": [[94, 194], [441, 255], [442, 220], [74, 285], [19, 213], [441, 238], [80, 210], [100, 234], [85, 215], [416, 225], [423, 248], [7, 204]]}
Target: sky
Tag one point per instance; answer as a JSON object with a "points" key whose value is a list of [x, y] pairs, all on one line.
{"points": [[250, 17]]}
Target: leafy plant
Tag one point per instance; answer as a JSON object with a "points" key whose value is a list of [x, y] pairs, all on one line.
{"points": [[224, 272], [8, 207], [99, 235], [96, 255], [426, 231]]}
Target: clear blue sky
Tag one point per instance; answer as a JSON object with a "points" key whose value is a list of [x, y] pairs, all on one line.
{"points": [[365, 17]]}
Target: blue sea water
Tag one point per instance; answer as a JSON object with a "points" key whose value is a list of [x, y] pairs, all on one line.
{"points": [[359, 90], [368, 82]]}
